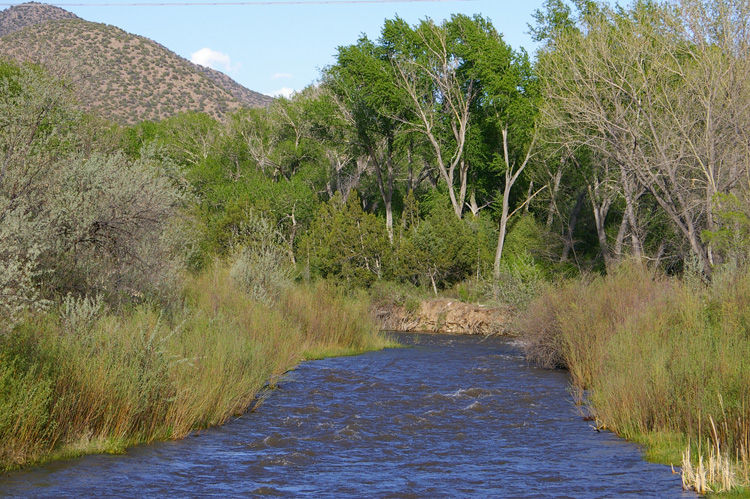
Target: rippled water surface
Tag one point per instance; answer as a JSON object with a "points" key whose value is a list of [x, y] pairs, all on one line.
{"points": [[452, 417]]}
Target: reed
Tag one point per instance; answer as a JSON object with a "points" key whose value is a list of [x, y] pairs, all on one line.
{"points": [[152, 374], [664, 360]]}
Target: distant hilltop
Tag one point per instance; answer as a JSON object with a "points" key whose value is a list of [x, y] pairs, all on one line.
{"points": [[119, 76], [27, 14]]}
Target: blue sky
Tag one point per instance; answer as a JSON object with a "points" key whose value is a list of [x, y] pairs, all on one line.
{"points": [[268, 48]]}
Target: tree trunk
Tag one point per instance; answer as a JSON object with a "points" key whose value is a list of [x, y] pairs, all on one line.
{"points": [[503, 228], [572, 226], [553, 195], [510, 178]]}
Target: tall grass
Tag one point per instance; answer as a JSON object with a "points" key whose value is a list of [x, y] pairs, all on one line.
{"points": [[154, 374], [665, 361]]}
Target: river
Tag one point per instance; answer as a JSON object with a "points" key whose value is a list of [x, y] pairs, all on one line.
{"points": [[450, 417]]}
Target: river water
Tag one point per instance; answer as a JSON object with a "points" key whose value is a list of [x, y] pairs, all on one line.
{"points": [[452, 417]]}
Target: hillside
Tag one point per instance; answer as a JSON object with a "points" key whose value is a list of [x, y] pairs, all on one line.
{"points": [[28, 14], [124, 77]]}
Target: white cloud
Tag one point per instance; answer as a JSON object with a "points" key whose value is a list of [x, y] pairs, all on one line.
{"points": [[279, 76], [283, 92], [213, 59]]}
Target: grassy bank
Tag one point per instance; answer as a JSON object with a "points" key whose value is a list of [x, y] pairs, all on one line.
{"points": [[81, 382], [666, 362]]}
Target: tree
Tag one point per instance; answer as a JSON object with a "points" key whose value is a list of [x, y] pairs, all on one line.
{"points": [[363, 83], [430, 66], [660, 92], [112, 226], [348, 243], [444, 249], [189, 137]]}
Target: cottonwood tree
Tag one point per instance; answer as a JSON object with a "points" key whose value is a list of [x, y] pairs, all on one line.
{"points": [[506, 100], [190, 137], [430, 63], [660, 91], [332, 128], [363, 83], [448, 78]]}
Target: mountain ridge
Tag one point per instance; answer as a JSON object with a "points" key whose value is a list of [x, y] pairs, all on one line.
{"points": [[124, 77]]}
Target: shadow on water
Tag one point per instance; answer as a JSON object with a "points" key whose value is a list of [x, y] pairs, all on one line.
{"points": [[452, 417]]}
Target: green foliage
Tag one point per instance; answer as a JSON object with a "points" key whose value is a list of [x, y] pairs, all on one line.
{"points": [[345, 242], [27, 380], [443, 250], [189, 138], [136, 137], [521, 280], [731, 238], [526, 237], [78, 314], [34, 131]]}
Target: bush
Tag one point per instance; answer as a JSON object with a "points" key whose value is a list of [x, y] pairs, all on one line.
{"points": [[109, 222], [261, 266], [521, 280], [93, 224], [442, 250], [347, 243]]}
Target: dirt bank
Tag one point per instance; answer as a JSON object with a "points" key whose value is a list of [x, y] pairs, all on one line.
{"points": [[445, 316]]}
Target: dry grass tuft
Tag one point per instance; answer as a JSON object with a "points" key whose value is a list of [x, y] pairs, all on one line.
{"points": [[157, 374], [659, 356]]}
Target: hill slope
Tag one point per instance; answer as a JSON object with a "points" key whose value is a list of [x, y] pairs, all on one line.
{"points": [[124, 77], [28, 14]]}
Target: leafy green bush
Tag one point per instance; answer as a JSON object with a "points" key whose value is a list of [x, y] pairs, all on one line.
{"points": [[347, 243], [442, 250]]}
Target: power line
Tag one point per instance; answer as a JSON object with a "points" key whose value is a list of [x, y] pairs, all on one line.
{"points": [[186, 4]]}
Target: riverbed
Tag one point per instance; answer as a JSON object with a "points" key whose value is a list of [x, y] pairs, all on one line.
{"points": [[446, 417]]}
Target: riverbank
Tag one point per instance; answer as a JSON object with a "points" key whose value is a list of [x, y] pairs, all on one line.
{"points": [[450, 417], [444, 316], [664, 362], [91, 382]]}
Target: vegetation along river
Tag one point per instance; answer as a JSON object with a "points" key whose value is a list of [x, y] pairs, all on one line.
{"points": [[455, 416]]}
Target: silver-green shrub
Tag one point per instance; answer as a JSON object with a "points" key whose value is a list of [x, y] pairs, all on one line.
{"points": [[78, 314], [521, 280], [90, 224], [261, 266], [110, 218], [35, 118], [19, 264]]}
